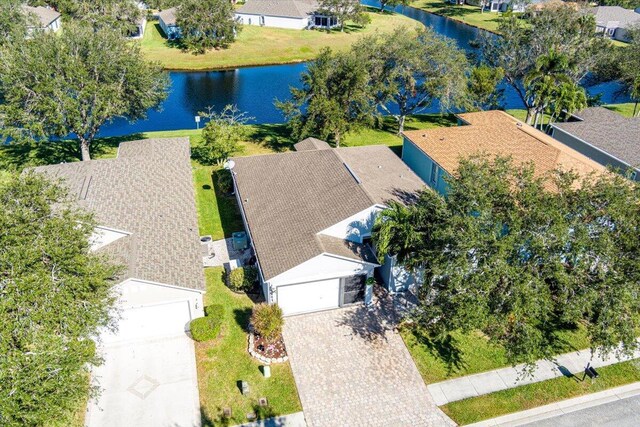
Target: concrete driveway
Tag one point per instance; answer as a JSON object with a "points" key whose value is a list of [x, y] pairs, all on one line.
{"points": [[147, 383], [352, 369]]}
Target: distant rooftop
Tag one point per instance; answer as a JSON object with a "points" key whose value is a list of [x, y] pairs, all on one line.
{"points": [[311, 144], [168, 16], [45, 15], [615, 15], [608, 131], [146, 191], [498, 133], [283, 8], [289, 198]]}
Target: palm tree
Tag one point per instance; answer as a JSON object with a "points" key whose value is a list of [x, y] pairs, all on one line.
{"points": [[394, 232], [568, 98]]}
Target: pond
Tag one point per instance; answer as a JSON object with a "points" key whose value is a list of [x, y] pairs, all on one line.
{"points": [[254, 89]]}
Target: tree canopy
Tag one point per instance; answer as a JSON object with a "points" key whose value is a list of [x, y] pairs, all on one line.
{"points": [[344, 10], [222, 135], [13, 21], [519, 256], [55, 85], [54, 296], [121, 15], [207, 24], [564, 30]]}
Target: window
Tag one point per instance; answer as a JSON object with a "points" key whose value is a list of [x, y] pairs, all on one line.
{"points": [[434, 173]]}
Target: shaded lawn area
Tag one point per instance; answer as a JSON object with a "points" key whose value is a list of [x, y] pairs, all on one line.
{"points": [[225, 361], [468, 14], [625, 109], [533, 395], [284, 46], [471, 353]]}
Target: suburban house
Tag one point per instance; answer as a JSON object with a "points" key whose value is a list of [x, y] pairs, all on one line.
{"points": [[434, 154], [144, 203], [604, 136], [309, 216], [291, 14], [506, 5], [613, 21], [167, 21], [47, 19]]}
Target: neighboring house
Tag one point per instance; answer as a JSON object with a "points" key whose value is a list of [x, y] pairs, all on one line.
{"points": [[434, 154], [309, 216], [506, 5], [292, 14], [604, 136], [47, 19], [167, 21], [141, 24], [613, 21], [144, 204]]}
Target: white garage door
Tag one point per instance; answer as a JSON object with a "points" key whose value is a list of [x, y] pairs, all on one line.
{"points": [[308, 297], [150, 322]]}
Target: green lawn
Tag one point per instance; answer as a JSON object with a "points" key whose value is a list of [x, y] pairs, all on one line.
{"points": [[467, 14], [624, 109], [533, 395], [283, 46], [225, 361], [468, 354]]}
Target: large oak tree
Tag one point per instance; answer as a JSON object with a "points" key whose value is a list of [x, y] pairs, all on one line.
{"points": [[54, 85]]}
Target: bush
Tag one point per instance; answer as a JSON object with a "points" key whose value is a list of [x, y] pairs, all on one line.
{"points": [[214, 310], [242, 279], [267, 321], [208, 327], [224, 180]]}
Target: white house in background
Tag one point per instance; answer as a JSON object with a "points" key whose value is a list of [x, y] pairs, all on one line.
{"points": [[141, 23], [613, 21], [144, 203], [167, 21], [291, 14], [47, 19], [309, 216]]}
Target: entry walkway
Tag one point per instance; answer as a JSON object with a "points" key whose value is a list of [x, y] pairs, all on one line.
{"points": [[506, 378]]}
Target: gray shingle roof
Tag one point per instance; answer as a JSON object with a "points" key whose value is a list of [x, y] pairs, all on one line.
{"points": [[612, 133], [311, 144], [146, 191], [607, 16], [283, 8], [168, 16], [45, 15], [289, 198]]}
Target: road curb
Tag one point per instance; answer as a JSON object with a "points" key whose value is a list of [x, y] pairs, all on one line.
{"points": [[563, 407]]}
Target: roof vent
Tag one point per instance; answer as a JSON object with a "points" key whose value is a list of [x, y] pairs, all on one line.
{"points": [[519, 124], [379, 166]]}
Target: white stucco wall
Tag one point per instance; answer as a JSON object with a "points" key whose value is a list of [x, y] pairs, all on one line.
{"points": [[356, 226], [273, 21], [138, 293]]}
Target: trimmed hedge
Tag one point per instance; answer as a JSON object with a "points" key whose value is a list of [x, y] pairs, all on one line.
{"points": [[208, 327], [242, 279]]}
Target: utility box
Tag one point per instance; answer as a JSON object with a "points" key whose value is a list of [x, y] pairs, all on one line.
{"points": [[244, 386], [239, 240], [266, 371]]}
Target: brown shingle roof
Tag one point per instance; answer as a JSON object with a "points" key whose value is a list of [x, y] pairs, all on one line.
{"points": [[45, 15], [146, 191], [311, 144], [497, 133], [283, 8], [168, 16], [289, 198]]}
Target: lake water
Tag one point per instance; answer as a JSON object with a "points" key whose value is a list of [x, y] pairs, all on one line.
{"points": [[254, 89]]}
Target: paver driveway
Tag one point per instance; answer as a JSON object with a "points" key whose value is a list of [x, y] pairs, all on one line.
{"points": [[352, 369]]}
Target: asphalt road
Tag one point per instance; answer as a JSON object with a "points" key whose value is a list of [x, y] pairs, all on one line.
{"points": [[620, 413]]}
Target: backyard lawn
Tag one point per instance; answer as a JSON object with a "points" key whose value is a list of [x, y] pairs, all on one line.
{"points": [[225, 361], [533, 395], [467, 14], [624, 109], [283, 46]]}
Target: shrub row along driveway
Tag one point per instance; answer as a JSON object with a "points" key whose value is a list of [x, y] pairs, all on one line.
{"points": [[352, 368]]}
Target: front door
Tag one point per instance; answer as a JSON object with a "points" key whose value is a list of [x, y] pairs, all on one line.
{"points": [[352, 289]]}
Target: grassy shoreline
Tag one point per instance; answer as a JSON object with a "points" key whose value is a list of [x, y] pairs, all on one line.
{"points": [[262, 46], [465, 14]]}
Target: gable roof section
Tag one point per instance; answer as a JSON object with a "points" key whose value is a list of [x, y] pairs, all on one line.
{"points": [[45, 15], [288, 198], [608, 131], [613, 15], [168, 16], [497, 133], [146, 191], [282, 8], [311, 144]]}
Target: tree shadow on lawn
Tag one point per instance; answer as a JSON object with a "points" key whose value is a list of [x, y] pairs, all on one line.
{"points": [[242, 316], [18, 155], [446, 349], [230, 218], [276, 137]]}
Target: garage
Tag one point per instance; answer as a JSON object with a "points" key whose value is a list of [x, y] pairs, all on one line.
{"points": [[307, 297], [148, 322]]}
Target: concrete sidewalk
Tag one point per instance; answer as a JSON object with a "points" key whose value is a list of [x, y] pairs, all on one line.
{"points": [[563, 407], [506, 378]]}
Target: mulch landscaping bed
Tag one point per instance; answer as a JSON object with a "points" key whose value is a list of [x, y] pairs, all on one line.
{"points": [[274, 350]]}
